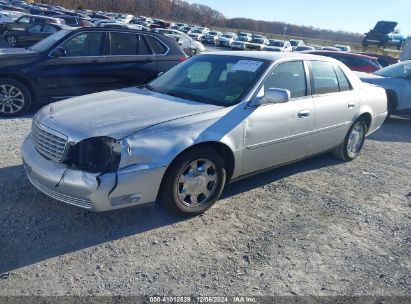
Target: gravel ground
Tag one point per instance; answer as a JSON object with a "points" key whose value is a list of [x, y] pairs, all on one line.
{"points": [[317, 227]]}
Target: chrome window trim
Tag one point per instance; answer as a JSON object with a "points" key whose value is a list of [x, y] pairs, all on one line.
{"points": [[65, 40]]}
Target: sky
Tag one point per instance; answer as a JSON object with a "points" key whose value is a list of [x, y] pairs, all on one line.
{"points": [[357, 16]]}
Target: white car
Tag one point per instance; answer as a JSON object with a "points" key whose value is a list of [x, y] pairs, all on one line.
{"points": [[275, 45], [240, 43], [188, 44], [211, 37], [227, 39], [197, 33]]}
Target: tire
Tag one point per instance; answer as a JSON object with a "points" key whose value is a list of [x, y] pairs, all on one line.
{"points": [[12, 41], [15, 98], [353, 142], [189, 187], [391, 103]]}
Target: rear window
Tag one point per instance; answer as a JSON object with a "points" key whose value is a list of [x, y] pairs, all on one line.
{"points": [[158, 47], [128, 44], [343, 82]]}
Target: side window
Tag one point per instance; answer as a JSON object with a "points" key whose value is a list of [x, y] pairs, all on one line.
{"points": [[324, 77], [199, 72], [158, 47], [35, 29], [342, 79], [128, 44], [289, 76], [47, 28], [24, 19], [86, 44]]}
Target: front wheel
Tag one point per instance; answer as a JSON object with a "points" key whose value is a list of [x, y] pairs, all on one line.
{"points": [[194, 182], [12, 41], [353, 142], [15, 98]]}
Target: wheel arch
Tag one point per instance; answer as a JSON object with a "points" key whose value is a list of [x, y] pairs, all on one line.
{"points": [[221, 148]]}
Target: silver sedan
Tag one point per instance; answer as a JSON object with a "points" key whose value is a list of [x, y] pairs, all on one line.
{"points": [[210, 120], [396, 80]]}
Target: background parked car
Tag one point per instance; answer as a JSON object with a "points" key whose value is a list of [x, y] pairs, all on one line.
{"points": [[75, 21], [240, 43], [211, 37], [344, 48], [278, 46], [197, 33], [189, 45], [302, 48], [356, 62], [257, 44], [396, 80], [25, 21], [227, 39], [296, 42], [383, 60], [383, 35], [81, 61], [32, 34]]}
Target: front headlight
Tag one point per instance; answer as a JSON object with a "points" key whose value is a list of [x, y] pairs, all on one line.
{"points": [[96, 154]]}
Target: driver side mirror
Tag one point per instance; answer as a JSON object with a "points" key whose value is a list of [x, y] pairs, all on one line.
{"points": [[274, 95], [59, 52]]}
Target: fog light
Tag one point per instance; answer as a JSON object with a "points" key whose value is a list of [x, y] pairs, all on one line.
{"points": [[125, 199]]}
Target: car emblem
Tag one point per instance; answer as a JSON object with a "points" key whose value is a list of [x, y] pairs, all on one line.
{"points": [[51, 111]]}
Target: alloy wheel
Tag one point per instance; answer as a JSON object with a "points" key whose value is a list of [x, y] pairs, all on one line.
{"points": [[11, 99], [356, 139]]}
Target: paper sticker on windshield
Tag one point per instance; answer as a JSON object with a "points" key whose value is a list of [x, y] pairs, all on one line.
{"points": [[247, 65]]}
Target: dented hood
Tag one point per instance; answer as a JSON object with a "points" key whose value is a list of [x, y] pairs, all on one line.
{"points": [[116, 113]]}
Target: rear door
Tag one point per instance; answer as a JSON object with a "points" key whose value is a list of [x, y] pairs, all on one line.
{"points": [[336, 104], [80, 71], [131, 61]]}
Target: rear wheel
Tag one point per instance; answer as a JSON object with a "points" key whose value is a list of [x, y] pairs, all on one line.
{"points": [[353, 142], [12, 41], [194, 182], [15, 98]]}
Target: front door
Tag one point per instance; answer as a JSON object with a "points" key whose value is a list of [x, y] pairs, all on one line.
{"points": [[81, 70], [280, 133]]}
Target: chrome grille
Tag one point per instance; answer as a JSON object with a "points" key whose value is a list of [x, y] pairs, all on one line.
{"points": [[48, 142]]}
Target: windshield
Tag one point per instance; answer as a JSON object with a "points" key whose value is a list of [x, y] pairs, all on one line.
{"points": [[257, 40], [46, 43], [212, 33], [242, 38], [228, 36], [276, 43], [197, 31], [294, 42], [399, 70], [211, 79]]}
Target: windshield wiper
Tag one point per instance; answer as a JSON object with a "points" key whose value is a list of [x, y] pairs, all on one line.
{"points": [[174, 94]]}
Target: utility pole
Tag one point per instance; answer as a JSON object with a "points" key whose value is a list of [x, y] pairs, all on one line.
{"points": [[285, 30]]}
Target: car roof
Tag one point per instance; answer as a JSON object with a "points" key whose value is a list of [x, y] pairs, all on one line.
{"points": [[271, 56]]}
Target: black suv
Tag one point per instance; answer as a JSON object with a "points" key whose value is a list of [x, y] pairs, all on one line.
{"points": [[81, 61]]}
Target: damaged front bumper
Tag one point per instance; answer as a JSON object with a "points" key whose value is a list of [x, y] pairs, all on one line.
{"points": [[94, 191]]}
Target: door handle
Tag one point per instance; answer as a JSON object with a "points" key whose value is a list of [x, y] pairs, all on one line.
{"points": [[303, 113], [351, 105]]}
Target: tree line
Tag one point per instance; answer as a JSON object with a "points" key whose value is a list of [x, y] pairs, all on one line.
{"points": [[193, 13]]}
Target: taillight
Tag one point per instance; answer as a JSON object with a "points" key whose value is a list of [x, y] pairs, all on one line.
{"points": [[183, 59]]}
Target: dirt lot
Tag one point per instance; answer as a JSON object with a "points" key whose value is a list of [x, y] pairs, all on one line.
{"points": [[318, 227]]}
